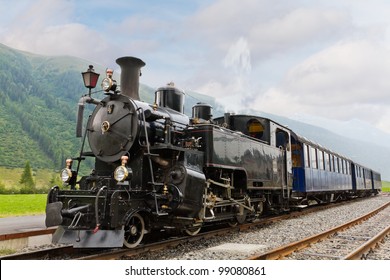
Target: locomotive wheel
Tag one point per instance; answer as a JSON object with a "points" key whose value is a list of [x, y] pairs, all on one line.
{"points": [[242, 218], [260, 208], [134, 231], [233, 223], [194, 230]]}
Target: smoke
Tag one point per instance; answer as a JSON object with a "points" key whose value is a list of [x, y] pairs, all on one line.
{"points": [[238, 61], [232, 88], [239, 57]]}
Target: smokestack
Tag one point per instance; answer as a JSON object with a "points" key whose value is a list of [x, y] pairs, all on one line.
{"points": [[130, 72]]}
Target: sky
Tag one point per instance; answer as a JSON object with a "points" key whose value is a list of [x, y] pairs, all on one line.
{"points": [[298, 58]]}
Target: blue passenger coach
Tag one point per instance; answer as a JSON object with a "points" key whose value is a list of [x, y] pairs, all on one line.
{"points": [[365, 181], [318, 171]]}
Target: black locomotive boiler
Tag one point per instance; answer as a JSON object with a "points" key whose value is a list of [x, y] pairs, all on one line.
{"points": [[156, 168]]}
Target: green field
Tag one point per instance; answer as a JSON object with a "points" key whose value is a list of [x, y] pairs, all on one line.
{"points": [[385, 186], [22, 204]]}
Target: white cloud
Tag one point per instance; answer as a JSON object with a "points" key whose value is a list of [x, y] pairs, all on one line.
{"points": [[384, 119], [346, 80], [269, 29], [47, 27], [347, 72], [266, 34]]}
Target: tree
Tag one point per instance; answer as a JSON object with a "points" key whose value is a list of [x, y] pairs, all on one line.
{"points": [[27, 181], [2, 188]]}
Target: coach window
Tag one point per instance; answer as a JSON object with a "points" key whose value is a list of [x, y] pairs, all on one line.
{"points": [[320, 159], [334, 163], [340, 165], [326, 161], [306, 155], [296, 153], [313, 156]]}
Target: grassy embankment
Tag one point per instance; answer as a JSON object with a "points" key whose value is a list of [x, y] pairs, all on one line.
{"points": [[24, 204], [10, 177], [385, 186]]}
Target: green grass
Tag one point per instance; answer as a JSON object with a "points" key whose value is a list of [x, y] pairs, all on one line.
{"points": [[22, 204], [385, 186], [4, 252]]}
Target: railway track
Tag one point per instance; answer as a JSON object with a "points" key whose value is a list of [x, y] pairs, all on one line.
{"points": [[67, 252], [352, 240]]}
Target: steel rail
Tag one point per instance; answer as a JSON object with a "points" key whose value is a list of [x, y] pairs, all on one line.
{"points": [[281, 252], [361, 252]]}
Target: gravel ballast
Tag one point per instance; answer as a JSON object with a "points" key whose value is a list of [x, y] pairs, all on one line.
{"points": [[270, 236]]}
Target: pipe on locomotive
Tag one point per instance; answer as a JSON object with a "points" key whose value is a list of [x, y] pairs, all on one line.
{"points": [[80, 112], [130, 72]]}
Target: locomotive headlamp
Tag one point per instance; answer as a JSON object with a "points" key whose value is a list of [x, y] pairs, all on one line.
{"points": [[122, 172], [66, 173], [108, 83]]}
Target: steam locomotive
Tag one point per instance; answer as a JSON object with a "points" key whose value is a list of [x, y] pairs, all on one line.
{"points": [[156, 168]]}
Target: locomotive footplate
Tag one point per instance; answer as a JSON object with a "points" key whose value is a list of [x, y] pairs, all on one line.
{"points": [[89, 238]]}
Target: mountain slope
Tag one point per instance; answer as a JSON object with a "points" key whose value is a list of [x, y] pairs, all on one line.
{"points": [[38, 103], [35, 114]]}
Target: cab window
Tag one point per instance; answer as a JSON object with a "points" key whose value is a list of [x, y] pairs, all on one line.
{"points": [[255, 129]]}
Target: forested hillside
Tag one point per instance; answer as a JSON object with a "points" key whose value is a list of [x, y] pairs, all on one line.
{"points": [[38, 103], [37, 114]]}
